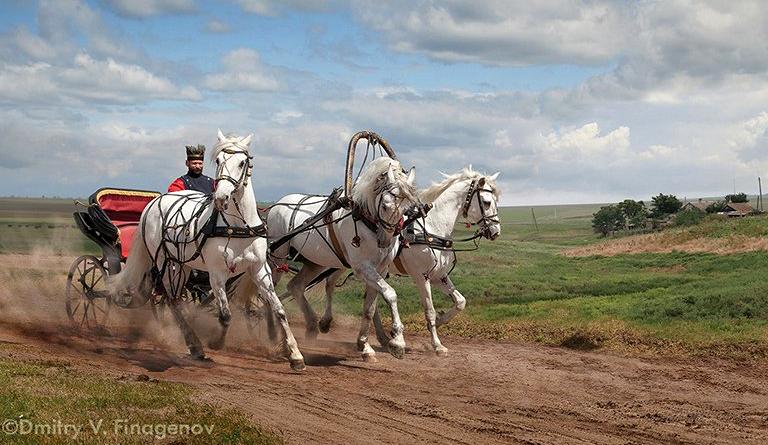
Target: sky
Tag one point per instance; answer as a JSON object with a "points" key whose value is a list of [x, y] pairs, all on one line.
{"points": [[571, 101]]}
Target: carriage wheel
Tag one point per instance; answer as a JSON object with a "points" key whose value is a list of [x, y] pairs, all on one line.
{"points": [[88, 303]]}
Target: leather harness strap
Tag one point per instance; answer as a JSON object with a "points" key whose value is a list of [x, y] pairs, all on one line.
{"points": [[337, 246], [399, 265]]}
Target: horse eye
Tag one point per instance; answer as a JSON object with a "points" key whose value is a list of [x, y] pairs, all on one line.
{"points": [[242, 164], [487, 204]]}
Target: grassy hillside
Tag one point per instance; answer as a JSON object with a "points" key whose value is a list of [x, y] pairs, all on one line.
{"points": [[523, 287], [698, 290]]}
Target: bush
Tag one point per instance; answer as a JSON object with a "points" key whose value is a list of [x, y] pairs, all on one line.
{"points": [[737, 197], [608, 220], [688, 218], [716, 207], [664, 205]]}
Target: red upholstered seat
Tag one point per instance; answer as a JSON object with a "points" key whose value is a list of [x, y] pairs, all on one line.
{"points": [[124, 208]]}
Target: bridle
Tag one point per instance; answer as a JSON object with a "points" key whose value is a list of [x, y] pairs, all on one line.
{"points": [[394, 227], [475, 188], [245, 173]]}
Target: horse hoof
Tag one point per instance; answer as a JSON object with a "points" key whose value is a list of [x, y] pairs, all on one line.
{"points": [[298, 365], [441, 352], [369, 358], [197, 354], [216, 344], [310, 334], [396, 350], [325, 325]]}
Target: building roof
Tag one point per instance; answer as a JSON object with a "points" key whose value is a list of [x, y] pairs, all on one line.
{"points": [[739, 207], [701, 205]]}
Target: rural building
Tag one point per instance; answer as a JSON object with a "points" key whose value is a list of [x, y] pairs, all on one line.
{"points": [[699, 205], [737, 209]]}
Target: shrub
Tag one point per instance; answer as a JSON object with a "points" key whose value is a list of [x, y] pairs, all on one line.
{"points": [[663, 205], [715, 207], [688, 218], [737, 197]]}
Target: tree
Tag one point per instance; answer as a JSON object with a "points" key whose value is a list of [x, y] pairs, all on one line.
{"points": [[688, 217], [608, 220], [716, 207], [634, 212], [663, 205], [736, 197]]}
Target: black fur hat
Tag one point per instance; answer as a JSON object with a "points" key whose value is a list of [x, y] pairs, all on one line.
{"points": [[195, 153]]}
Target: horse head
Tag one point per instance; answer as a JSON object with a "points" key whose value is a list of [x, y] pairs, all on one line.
{"points": [[384, 192], [233, 167], [481, 205]]}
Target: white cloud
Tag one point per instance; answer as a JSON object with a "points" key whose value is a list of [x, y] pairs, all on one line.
{"points": [[88, 79], [217, 26], [499, 32], [586, 141], [283, 117], [275, 7], [147, 8], [243, 71]]}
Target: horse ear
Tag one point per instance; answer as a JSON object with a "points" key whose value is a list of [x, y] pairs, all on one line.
{"points": [[411, 175], [391, 174], [220, 136], [481, 182], [494, 176], [247, 140]]}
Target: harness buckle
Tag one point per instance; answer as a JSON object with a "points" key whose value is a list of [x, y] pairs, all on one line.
{"points": [[356, 241]]}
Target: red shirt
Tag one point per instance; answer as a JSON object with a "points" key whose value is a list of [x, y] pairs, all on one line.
{"points": [[176, 186]]}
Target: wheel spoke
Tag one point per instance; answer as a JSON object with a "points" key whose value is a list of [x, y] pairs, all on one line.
{"points": [[85, 314], [97, 280], [99, 308], [74, 311]]}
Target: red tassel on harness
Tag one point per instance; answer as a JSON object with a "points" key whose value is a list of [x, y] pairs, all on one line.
{"points": [[283, 267], [468, 226]]}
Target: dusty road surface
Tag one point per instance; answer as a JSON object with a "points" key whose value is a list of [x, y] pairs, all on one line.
{"points": [[483, 392]]}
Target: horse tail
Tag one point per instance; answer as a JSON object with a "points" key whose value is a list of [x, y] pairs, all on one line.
{"points": [[135, 276], [245, 291]]}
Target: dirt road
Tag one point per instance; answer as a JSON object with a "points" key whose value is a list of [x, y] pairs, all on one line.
{"points": [[483, 392]]}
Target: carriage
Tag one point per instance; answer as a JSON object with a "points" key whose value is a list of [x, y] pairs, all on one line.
{"points": [[383, 200], [110, 219]]}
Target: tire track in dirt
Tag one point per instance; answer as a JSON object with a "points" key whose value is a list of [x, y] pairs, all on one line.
{"points": [[484, 392]]}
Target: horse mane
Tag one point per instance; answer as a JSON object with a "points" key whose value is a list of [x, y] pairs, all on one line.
{"points": [[374, 177], [430, 194], [230, 140]]}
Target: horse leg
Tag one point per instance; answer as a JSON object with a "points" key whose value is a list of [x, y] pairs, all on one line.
{"points": [[218, 283], [369, 355], [459, 302], [425, 290], [193, 342], [263, 279], [330, 288], [296, 287], [173, 281], [373, 279], [381, 334]]}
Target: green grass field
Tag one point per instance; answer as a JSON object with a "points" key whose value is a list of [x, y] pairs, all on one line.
{"points": [[522, 286], [44, 392]]}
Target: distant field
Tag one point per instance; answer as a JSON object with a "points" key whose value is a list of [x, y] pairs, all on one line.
{"points": [[36, 223], [524, 287]]}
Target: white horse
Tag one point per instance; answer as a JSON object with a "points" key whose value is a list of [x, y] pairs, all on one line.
{"points": [[177, 234], [466, 195], [364, 239]]}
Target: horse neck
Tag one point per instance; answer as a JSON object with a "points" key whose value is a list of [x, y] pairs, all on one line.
{"points": [[441, 220], [248, 205]]}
